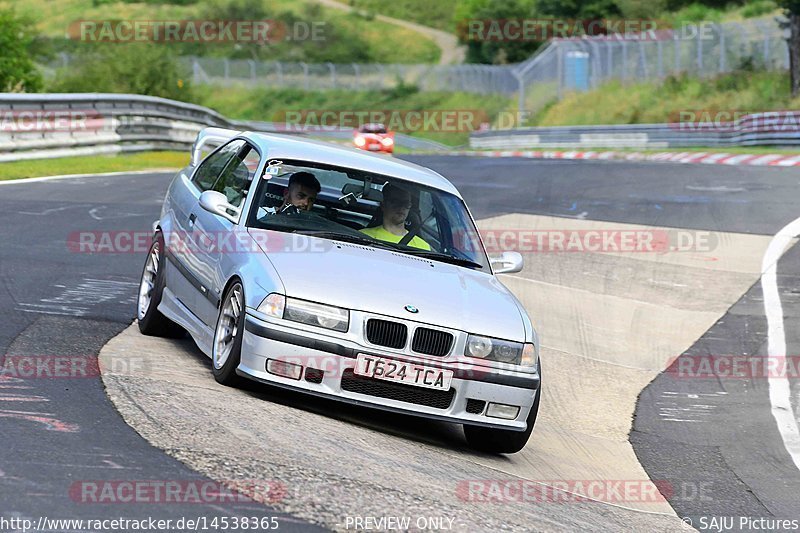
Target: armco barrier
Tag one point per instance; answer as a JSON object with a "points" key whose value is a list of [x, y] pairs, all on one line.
{"points": [[112, 123], [757, 129]]}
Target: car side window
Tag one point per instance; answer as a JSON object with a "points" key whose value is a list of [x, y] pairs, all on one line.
{"points": [[235, 180], [210, 169]]}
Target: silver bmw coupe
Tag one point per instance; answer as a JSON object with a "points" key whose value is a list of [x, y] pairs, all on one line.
{"points": [[342, 274]]}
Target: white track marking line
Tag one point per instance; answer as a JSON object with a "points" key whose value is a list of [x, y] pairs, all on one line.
{"points": [[100, 175], [779, 391]]}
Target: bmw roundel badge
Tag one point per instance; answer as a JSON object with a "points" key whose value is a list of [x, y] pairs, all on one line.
{"points": [[411, 309]]}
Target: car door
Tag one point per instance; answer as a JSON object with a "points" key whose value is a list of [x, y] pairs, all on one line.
{"points": [[217, 236], [185, 243]]}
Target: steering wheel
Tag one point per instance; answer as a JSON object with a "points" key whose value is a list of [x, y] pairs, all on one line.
{"points": [[289, 209]]}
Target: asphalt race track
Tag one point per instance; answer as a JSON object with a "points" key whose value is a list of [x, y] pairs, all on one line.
{"points": [[611, 323]]}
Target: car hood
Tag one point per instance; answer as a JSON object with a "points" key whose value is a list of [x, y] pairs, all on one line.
{"points": [[384, 282]]}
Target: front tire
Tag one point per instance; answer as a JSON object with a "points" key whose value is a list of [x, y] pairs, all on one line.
{"points": [[151, 289], [493, 440], [226, 351]]}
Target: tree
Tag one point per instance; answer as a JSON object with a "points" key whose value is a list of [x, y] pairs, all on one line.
{"points": [[17, 70], [791, 8], [136, 68], [481, 49]]}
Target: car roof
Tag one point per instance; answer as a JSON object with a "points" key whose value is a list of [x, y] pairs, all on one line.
{"points": [[284, 146]]}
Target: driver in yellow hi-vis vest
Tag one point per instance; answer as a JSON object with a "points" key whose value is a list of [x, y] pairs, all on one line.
{"points": [[395, 207]]}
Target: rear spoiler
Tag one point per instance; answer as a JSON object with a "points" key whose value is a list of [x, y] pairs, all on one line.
{"points": [[210, 138]]}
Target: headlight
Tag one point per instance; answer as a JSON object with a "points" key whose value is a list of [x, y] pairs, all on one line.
{"points": [[387, 141], [325, 316], [273, 305], [360, 141], [478, 346], [500, 350]]}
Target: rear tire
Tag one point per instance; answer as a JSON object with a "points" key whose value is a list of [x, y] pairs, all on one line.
{"points": [[226, 350], [492, 440], [151, 320]]}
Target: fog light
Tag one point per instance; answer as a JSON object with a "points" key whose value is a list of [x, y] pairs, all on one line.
{"points": [[499, 410], [284, 369]]}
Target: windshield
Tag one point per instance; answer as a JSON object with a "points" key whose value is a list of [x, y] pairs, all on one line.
{"points": [[376, 210], [372, 128]]}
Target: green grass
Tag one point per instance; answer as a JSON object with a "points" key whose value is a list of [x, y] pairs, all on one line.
{"points": [[272, 104], [437, 14], [645, 103], [384, 42], [694, 13], [92, 164]]}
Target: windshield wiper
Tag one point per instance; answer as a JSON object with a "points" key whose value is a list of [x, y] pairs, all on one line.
{"points": [[346, 237], [447, 258]]}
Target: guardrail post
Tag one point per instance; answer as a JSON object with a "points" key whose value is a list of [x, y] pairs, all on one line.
{"points": [[226, 68], [305, 75], [676, 62], [624, 60], [521, 89], [722, 52], [660, 52], [643, 58], [358, 74], [332, 70], [382, 82], [279, 69], [560, 69], [699, 54], [252, 69]]}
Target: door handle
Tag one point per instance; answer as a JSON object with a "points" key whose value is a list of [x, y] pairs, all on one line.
{"points": [[192, 219]]}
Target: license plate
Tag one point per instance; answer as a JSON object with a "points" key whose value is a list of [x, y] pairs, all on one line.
{"points": [[401, 372]]}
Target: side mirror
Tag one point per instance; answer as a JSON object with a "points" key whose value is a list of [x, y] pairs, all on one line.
{"points": [[217, 203], [507, 263]]}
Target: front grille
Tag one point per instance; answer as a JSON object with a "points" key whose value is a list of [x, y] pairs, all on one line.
{"points": [[432, 342], [385, 333], [314, 376], [474, 406], [438, 399]]}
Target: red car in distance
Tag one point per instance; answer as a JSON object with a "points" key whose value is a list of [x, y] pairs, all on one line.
{"points": [[374, 138]]}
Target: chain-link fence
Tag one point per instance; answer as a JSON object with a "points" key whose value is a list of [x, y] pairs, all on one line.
{"points": [[558, 67], [566, 65], [352, 76]]}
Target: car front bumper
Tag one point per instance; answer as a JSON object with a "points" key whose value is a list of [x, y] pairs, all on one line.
{"points": [[327, 365]]}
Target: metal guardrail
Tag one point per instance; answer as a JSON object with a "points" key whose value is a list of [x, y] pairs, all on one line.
{"points": [[37, 126], [758, 129]]}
